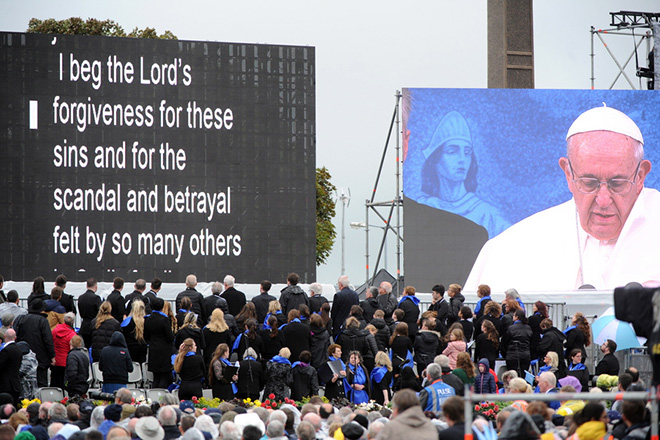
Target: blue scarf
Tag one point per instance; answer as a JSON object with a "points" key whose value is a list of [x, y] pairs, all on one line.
{"points": [[378, 373], [343, 365], [266, 326], [478, 307], [280, 360], [126, 321], [576, 367], [237, 342], [412, 298], [249, 358], [522, 305], [569, 329], [183, 311], [545, 368], [234, 388], [160, 313], [190, 353], [295, 364], [360, 378]]}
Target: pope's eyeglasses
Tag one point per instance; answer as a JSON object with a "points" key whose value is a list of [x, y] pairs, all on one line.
{"points": [[591, 185]]}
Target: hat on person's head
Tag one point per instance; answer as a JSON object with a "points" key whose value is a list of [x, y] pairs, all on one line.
{"points": [[572, 381], [240, 410], [452, 127], [215, 414], [86, 406], [249, 419], [362, 420], [148, 428], [352, 431], [112, 412], [187, 407], [605, 119], [36, 306]]}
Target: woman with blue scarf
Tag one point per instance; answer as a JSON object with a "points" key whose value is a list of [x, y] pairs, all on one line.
{"points": [[279, 376], [191, 369], [381, 378], [223, 388], [577, 369], [356, 383], [335, 387]]}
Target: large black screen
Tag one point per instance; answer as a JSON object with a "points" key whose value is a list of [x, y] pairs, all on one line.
{"points": [[142, 158]]}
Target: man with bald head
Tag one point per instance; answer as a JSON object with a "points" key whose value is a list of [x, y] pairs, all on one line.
{"points": [[11, 357], [342, 303], [197, 299], [386, 301], [605, 236]]}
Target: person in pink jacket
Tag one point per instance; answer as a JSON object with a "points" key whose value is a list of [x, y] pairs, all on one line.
{"points": [[456, 345]]}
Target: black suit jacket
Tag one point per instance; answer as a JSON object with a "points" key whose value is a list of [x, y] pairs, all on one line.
{"points": [[10, 363], [341, 308], [235, 300]]}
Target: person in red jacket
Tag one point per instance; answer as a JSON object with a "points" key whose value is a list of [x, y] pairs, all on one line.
{"points": [[62, 334]]}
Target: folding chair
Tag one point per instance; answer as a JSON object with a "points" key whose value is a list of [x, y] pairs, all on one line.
{"points": [[50, 394]]}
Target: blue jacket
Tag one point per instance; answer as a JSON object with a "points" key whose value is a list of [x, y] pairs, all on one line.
{"points": [[484, 383], [433, 396]]}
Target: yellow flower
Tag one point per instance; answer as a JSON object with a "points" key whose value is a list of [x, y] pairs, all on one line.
{"points": [[257, 403]]}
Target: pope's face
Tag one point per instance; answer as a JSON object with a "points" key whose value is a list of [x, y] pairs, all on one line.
{"points": [[604, 155], [455, 161]]}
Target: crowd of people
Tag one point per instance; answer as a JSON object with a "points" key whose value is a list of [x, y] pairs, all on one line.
{"points": [[299, 345]]}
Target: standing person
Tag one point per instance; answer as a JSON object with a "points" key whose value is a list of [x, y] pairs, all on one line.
{"points": [[578, 335], [292, 295], [133, 329], [320, 341], [251, 377], [158, 334], [38, 291], [487, 343], [370, 304], [62, 334], [577, 369], [386, 301], [262, 300], [115, 363], [540, 312], [401, 347], [316, 298], [609, 364], [11, 307], [439, 304], [223, 388], [66, 300], [484, 382], [552, 340], [88, 306], [190, 366], [305, 378], [465, 369], [247, 312], [342, 303], [352, 338], [152, 294], [235, 298], [103, 327], [189, 329], [381, 379], [279, 376], [492, 313], [335, 388], [483, 292], [212, 301], [455, 346], [426, 344], [33, 328], [456, 300], [138, 289], [436, 392], [215, 333], [11, 357], [249, 338], [116, 300], [274, 309], [466, 322], [297, 335], [409, 303], [509, 308], [382, 331], [54, 310], [515, 344], [184, 308], [76, 371], [272, 338], [356, 383], [196, 299], [408, 419]]}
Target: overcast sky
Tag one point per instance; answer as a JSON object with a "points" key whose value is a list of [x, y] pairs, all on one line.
{"points": [[365, 52]]}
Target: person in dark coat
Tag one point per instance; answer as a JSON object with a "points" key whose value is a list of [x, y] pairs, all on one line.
{"points": [[515, 344], [152, 294], [229, 318], [382, 331], [552, 340], [484, 382], [66, 300], [103, 327], [370, 304], [212, 301], [316, 299], [215, 333], [272, 338], [137, 293], [133, 329], [38, 291], [33, 328], [251, 376], [386, 301], [235, 298], [76, 372], [11, 357], [262, 300], [115, 363], [577, 369], [578, 335], [249, 338], [342, 303], [88, 306], [335, 387], [292, 295], [609, 364], [439, 304], [468, 327], [352, 338], [540, 312], [426, 344], [297, 335], [492, 313], [279, 376], [159, 336], [487, 343], [483, 292], [116, 300], [192, 371], [223, 387], [409, 303], [381, 379], [196, 299], [305, 378], [358, 313], [401, 347], [192, 331], [319, 343], [456, 300]]}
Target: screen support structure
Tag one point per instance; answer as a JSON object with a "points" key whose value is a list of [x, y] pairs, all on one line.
{"points": [[624, 23], [389, 211]]}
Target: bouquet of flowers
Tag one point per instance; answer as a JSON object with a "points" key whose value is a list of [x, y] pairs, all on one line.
{"points": [[488, 410]]}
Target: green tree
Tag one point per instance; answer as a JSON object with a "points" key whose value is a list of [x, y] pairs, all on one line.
{"points": [[78, 26], [325, 211]]}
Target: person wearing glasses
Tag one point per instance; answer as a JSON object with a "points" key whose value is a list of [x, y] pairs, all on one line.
{"points": [[605, 236]]}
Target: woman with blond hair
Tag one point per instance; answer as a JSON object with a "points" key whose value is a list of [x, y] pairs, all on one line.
{"points": [[274, 309], [465, 369], [279, 376], [189, 329], [190, 366], [456, 346], [216, 332], [167, 310], [381, 379], [133, 329], [103, 326]]}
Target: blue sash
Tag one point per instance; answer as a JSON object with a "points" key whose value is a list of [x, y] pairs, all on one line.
{"points": [[234, 388], [126, 321], [412, 298], [280, 360], [569, 329]]}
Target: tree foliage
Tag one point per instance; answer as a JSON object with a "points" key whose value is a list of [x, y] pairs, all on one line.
{"points": [[325, 211], [78, 26]]}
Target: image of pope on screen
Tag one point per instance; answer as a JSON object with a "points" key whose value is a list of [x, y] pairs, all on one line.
{"points": [[606, 236]]}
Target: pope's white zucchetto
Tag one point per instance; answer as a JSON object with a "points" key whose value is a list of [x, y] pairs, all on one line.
{"points": [[605, 119]]}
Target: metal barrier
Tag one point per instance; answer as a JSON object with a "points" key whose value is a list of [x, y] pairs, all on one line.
{"points": [[471, 398]]}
